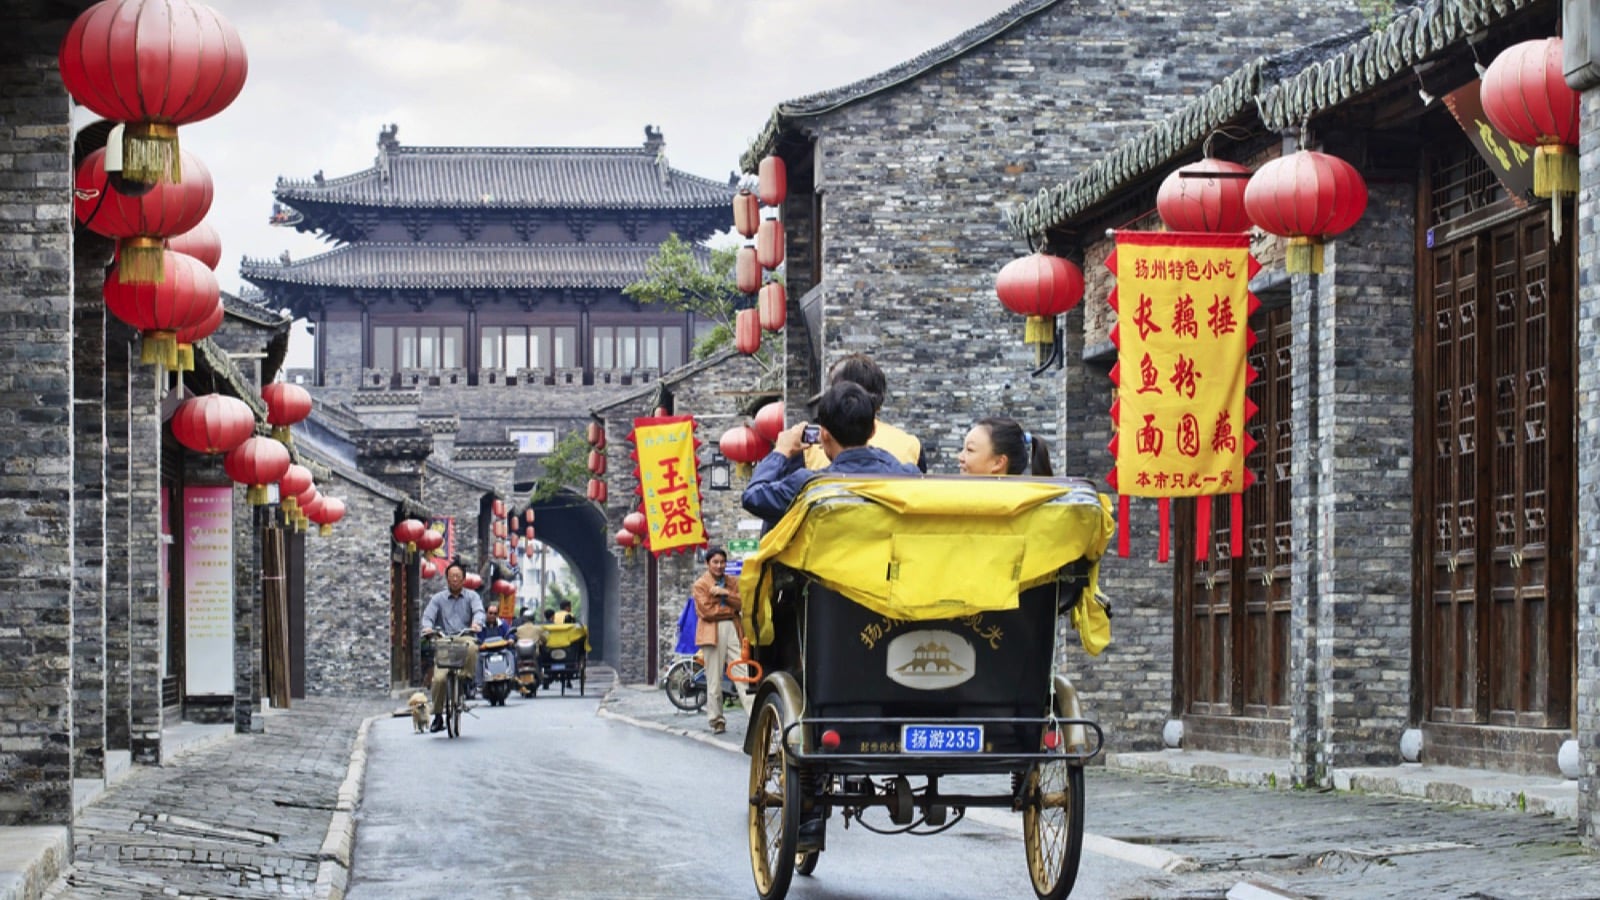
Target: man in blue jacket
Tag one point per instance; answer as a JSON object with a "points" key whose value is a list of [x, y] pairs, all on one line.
{"points": [[845, 419]]}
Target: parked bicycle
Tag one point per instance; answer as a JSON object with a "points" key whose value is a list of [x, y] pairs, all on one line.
{"points": [[685, 684]]}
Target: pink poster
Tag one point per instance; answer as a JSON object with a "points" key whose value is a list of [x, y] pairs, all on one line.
{"points": [[208, 589]]}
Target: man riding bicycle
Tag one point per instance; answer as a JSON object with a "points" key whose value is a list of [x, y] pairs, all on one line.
{"points": [[449, 612]]}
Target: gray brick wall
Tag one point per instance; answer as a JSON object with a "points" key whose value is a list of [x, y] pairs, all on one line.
{"points": [[1353, 389], [145, 615], [36, 461], [89, 512], [347, 596], [1587, 409]]}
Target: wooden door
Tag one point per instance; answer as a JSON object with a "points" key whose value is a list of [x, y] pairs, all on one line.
{"points": [[1498, 478], [1233, 614]]}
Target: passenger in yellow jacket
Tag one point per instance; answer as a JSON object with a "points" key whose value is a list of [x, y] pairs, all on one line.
{"points": [[859, 368]]}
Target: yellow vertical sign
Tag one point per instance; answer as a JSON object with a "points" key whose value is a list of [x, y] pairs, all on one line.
{"points": [[1183, 306], [669, 482]]}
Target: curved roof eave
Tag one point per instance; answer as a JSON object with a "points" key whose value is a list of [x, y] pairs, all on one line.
{"points": [[822, 102], [1277, 104]]}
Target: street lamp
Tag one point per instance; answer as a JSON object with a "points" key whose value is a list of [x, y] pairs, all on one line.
{"points": [[721, 476]]}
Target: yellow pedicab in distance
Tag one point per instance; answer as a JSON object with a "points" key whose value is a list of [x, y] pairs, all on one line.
{"points": [[564, 657], [907, 627]]}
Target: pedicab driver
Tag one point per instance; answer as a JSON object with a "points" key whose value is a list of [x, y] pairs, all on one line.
{"points": [[453, 610]]}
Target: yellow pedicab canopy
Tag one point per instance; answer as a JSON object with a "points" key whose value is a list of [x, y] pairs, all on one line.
{"points": [[565, 635], [919, 548]]}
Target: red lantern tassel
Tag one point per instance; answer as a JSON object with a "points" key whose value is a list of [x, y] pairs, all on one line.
{"points": [[185, 357], [150, 153], [141, 260], [1236, 527], [257, 495], [1164, 526], [1124, 511], [325, 530], [1202, 528]]}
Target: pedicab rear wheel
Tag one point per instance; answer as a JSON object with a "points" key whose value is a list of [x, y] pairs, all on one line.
{"points": [[1052, 826], [774, 803]]}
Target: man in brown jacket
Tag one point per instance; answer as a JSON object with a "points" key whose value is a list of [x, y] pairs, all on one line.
{"points": [[717, 604]]}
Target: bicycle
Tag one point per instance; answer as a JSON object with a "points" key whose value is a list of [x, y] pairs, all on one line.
{"points": [[685, 684], [450, 652]]}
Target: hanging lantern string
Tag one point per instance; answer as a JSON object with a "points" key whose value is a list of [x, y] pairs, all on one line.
{"points": [[1230, 132]]}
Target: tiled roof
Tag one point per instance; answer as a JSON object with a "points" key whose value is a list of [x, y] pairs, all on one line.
{"points": [[1280, 93], [830, 100], [403, 265], [252, 306], [515, 177]]}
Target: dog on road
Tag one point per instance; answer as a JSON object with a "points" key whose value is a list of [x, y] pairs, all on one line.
{"points": [[419, 711]]}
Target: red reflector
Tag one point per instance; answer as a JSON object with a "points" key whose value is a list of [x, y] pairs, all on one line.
{"points": [[830, 740], [1052, 739]]}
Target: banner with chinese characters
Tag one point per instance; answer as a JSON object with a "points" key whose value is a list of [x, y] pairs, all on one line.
{"points": [[1183, 305], [664, 447]]}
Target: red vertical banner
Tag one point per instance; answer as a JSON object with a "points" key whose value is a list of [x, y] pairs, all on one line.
{"points": [[1183, 340]]}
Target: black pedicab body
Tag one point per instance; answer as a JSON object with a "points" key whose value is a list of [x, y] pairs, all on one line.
{"points": [[564, 657], [857, 702]]}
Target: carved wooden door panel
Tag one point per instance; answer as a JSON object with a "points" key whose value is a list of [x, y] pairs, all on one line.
{"points": [[1233, 614], [1498, 476]]}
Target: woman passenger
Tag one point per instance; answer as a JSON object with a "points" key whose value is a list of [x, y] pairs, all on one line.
{"points": [[999, 446]]}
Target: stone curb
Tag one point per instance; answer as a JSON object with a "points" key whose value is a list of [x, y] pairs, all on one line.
{"points": [[333, 870], [31, 858]]}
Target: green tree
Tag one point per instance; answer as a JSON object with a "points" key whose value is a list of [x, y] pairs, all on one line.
{"points": [[682, 278], [565, 466]]}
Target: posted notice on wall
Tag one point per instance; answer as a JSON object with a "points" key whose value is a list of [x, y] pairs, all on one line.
{"points": [[208, 590]]}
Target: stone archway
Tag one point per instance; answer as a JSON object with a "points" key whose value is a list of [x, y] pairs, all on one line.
{"points": [[576, 529]]}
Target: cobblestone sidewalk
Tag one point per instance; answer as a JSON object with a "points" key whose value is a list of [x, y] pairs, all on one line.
{"points": [[249, 816]]}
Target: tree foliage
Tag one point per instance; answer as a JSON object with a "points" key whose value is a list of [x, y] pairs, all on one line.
{"points": [[565, 466]]}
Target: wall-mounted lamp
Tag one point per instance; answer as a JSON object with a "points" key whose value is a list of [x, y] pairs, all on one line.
{"points": [[721, 474]]}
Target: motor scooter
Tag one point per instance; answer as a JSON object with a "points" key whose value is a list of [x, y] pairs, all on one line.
{"points": [[497, 670], [528, 639]]}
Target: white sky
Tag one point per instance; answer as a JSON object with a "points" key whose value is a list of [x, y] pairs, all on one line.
{"points": [[326, 75]]}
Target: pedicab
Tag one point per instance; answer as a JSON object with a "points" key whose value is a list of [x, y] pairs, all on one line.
{"points": [[564, 656], [907, 630]]}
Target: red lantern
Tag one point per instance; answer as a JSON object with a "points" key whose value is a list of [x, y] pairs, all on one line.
{"points": [[769, 244], [746, 213], [773, 306], [1205, 196], [499, 508], [186, 297], [769, 422], [286, 404], [188, 337], [140, 224], [310, 510], [503, 587], [257, 462], [747, 270], [500, 550], [201, 242], [747, 331], [498, 529], [595, 434], [527, 515], [329, 511], [428, 570], [1526, 98], [430, 540], [472, 581], [597, 490], [744, 446], [213, 423], [408, 532], [661, 412], [772, 183], [1306, 196], [154, 64], [528, 532], [635, 523], [626, 540], [597, 462], [1041, 287], [302, 502], [296, 480]]}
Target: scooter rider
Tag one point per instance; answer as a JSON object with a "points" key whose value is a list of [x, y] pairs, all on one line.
{"points": [[452, 611]]}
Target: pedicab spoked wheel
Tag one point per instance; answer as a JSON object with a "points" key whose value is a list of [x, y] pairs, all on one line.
{"points": [[774, 803], [1052, 826], [805, 862]]}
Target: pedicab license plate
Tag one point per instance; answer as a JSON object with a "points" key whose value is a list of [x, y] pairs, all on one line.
{"points": [[941, 738]]}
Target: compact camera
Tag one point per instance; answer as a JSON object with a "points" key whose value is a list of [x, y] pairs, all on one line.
{"points": [[811, 434]]}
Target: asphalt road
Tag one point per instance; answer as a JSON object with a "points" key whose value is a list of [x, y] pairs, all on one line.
{"points": [[542, 798]]}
